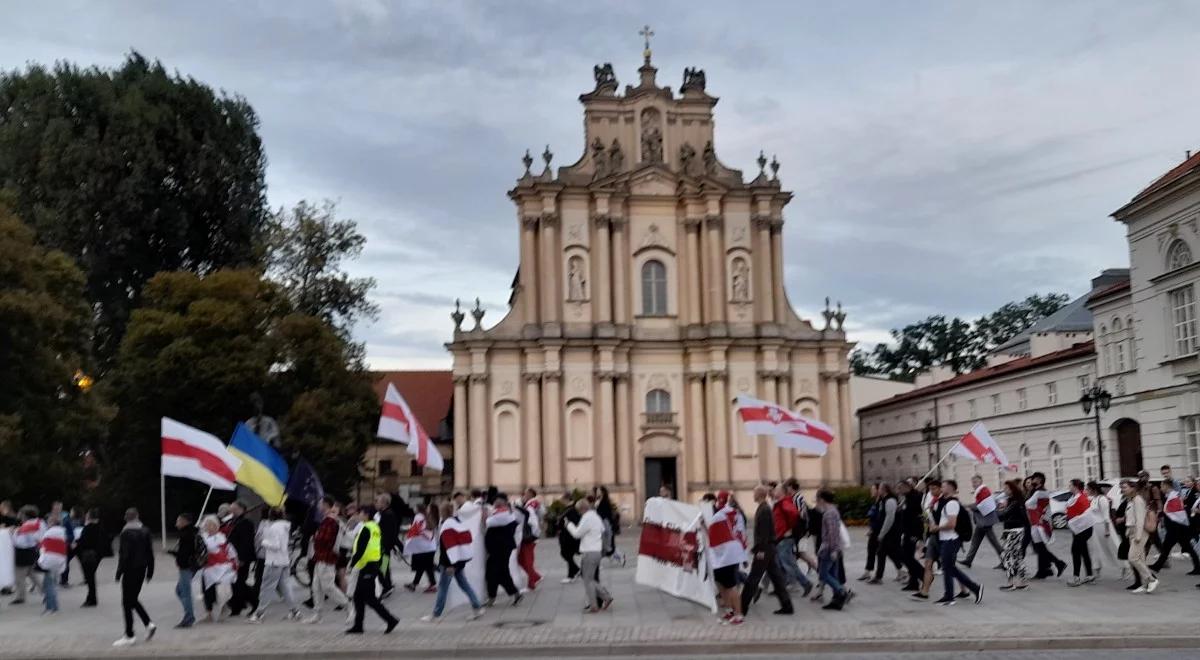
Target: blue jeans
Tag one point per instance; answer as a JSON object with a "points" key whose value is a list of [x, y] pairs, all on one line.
{"points": [[50, 590], [785, 556], [444, 588], [827, 568], [950, 570], [183, 591]]}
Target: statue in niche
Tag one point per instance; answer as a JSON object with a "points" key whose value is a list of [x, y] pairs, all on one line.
{"points": [[652, 145], [741, 281], [710, 159], [687, 157], [616, 159], [576, 282], [598, 160]]}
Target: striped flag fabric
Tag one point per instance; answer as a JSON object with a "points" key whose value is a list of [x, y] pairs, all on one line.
{"points": [[790, 430], [455, 537], [398, 423], [984, 502], [1174, 509], [53, 549], [193, 454], [977, 445], [724, 547]]}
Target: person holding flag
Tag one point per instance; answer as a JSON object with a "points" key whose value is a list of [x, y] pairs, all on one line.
{"points": [[455, 539], [1080, 520], [420, 547], [725, 555], [500, 540], [1038, 509], [1176, 524], [983, 509]]}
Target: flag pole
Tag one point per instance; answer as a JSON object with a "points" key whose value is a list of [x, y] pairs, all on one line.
{"points": [[162, 502], [940, 461], [204, 506]]}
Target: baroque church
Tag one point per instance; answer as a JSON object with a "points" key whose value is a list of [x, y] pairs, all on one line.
{"points": [[649, 296]]}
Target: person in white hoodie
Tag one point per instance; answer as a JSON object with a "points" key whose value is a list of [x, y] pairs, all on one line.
{"points": [[590, 532], [276, 581]]}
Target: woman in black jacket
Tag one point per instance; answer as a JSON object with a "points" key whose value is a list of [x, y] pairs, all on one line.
{"points": [[91, 546], [1016, 527]]}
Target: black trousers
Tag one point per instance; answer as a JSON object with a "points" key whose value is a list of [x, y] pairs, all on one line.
{"points": [[422, 564], [497, 574], [568, 555], [770, 567], [872, 550], [364, 597], [1046, 561], [1080, 553], [1180, 535], [131, 589], [89, 562], [243, 594], [889, 548], [908, 554], [385, 569]]}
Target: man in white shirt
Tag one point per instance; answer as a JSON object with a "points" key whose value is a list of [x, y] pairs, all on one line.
{"points": [[946, 515], [590, 532]]}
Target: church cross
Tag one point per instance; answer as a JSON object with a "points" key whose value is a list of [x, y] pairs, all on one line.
{"points": [[646, 33]]}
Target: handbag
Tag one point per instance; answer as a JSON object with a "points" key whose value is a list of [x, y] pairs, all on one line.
{"points": [[845, 535], [1151, 524]]}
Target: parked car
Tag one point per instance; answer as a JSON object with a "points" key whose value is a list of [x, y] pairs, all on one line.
{"points": [[1059, 498]]}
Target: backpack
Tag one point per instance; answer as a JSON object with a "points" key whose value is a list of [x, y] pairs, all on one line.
{"points": [[800, 527], [199, 553], [962, 523]]}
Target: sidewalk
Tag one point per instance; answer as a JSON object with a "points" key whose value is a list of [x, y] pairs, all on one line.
{"points": [[550, 621]]}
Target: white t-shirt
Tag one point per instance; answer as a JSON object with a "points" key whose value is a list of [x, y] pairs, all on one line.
{"points": [[950, 510]]}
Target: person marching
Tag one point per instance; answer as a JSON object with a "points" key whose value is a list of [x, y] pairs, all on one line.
{"points": [[1177, 527], [220, 566], [1038, 509], [276, 580], [454, 542], [983, 510], [500, 541], [135, 567], [26, 540], [1015, 522], [530, 511], [1080, 520], [763, 558], [325, 559], [831, 550], [421, 547], [186, 559], [1104, 540], [52, 561], [1137, 519], [91, 546], [725, 554], [590, 532], [368, 553], [946, 525]]}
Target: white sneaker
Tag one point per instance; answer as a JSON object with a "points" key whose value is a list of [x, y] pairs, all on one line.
{"points": [[429, 618], [150, 630], [1139, 590], [256, 617], [293, 615], [125, 641], [316, 618], [1152, 586], [567, 580], [475, 614]]}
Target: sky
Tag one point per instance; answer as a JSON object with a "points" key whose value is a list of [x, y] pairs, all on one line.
{"points": [[945, 157]]}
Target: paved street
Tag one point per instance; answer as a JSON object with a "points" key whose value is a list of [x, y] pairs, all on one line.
{"points": [[645, 621]]}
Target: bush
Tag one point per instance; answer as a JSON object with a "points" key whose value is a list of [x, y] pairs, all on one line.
{"points": [[853, 502]]}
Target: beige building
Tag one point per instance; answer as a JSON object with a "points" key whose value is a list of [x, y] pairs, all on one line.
{"points": [[649, 295]]}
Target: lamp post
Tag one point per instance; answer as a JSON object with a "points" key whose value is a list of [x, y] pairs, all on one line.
{"points": [[929, 435], [1096, 398]]}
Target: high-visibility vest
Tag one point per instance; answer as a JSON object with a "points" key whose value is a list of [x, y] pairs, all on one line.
{"points": [[374, 550]]}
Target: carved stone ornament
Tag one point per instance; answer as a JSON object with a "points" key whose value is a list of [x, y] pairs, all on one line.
{"points": [[657, 382], [743, 384], [738, 235], [687, 159], [599, 162], [457, 315], [693, 78], [575, 233], [477, 314], [576, 280], [652, 145], [551, 376], [710, 159], [603, 73], [616, 159], [740, 281], [535, 377], [506, 388], [806, 386], [577, 385], [653, 238], [481, 379]]}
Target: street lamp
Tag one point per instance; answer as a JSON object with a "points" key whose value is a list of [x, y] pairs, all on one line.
{"points": [[930, 435], [1096, 398]]}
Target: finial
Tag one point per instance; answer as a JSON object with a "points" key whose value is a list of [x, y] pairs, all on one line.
{"points": [[646, 33], [528, 161], [774, 168], [547, 156], [828, 313], [839, 316], [477, 313], [457, 315], [762, 163]]}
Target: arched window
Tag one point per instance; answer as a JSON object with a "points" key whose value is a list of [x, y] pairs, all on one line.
{"points": [[1116, 324], [1056, 464], [658, 401], [654, 288], [1088, 448], [1026, 461], [1103, 329], [1178, 255]]}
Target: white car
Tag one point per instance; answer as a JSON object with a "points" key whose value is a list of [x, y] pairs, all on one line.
{"points": [[1110, 487]]}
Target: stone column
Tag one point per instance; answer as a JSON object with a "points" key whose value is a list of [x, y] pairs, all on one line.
{"points": [[602, 282], [716, 263], [530, 297], [606, 436], [765, 447], [764, 292], [625, 453], [849, 465], [779, 295], [620, 269], [719, 425], [479, 443], [531, 409], [783, 389], [692, 278], [552, 440], [831, 463], [462, 471], [549, 269], [696, 435]]}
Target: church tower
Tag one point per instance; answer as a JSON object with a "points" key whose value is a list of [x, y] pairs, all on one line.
{"points": [[649, 295]]}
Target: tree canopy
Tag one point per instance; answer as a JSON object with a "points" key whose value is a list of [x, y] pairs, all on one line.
{"points": [[953, 343]]}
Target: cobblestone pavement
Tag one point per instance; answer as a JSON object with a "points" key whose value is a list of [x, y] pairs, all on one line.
{"points": [[550, 622]]}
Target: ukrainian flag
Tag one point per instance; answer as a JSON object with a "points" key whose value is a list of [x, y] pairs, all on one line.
{"points": [[263, 470]]}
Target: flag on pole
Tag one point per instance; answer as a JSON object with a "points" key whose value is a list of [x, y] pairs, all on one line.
{"points": [[305, 486], [263, 470], [193, 454], [397, 422], [977, 445], [790, 430]]}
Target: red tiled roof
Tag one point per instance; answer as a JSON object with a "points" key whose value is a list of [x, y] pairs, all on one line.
{"points": [[430, 394], [987, 373], [1172, 175], [1109, 290]]}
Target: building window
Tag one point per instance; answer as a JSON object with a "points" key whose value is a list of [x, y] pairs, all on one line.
{"points": [[995, 404], [1056, 464], [1178, 255], [971, 412], [1089, 459], [1051, 394], [1183, 316], [1106, 349], [385, 468], [1022, 400], [416, 469], [658, 401], [912, 419], [1191, 436], [1085, 381], [1121, 361], [1026, 461], [654, 288], [950, 411]]}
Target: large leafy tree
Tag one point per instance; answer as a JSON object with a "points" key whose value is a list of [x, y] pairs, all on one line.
{"points": [[131, 172], [47, 422], [952, 342]]}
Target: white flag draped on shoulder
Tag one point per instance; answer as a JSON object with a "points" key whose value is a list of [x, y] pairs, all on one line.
{"points": [[193, 454], [790, 430], [398, 423], [977, 445]]}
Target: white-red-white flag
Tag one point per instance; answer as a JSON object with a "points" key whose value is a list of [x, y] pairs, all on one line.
{"points": [[193, 454], [1174, 509], [977, 445], [985, 502], [790, 430], [397, 422]]}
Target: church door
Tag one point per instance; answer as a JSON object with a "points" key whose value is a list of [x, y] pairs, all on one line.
{"points": [[1129, 447], [660, 472]]}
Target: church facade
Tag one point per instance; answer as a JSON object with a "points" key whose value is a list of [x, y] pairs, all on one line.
{"points": [[649, 296]]}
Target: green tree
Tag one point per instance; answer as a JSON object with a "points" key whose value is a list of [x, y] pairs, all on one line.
{"points": [[1014, 317], [306, 248], [131, 172], [47, 422]]}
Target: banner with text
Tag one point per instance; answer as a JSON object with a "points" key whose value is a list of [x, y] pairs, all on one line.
{"points": [[671, 552]]}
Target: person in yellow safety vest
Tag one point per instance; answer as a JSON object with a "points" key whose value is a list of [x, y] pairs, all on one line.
{"points": [[368, 551]]}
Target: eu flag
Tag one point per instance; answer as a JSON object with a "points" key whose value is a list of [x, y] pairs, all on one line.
{"points": [[305, 486]]}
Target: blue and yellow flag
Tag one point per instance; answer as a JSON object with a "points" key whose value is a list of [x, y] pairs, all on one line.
{"points": [[263, 470]]}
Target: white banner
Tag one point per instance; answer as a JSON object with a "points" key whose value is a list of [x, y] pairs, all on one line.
{"points": [[671, 552], [7, 560], [476, 569]]}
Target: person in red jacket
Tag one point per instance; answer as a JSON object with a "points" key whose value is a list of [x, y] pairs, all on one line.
{"points": [[325, 558], [785, 516]]}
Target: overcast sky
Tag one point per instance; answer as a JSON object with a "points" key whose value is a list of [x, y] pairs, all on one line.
{"points": [[945, 157]]}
